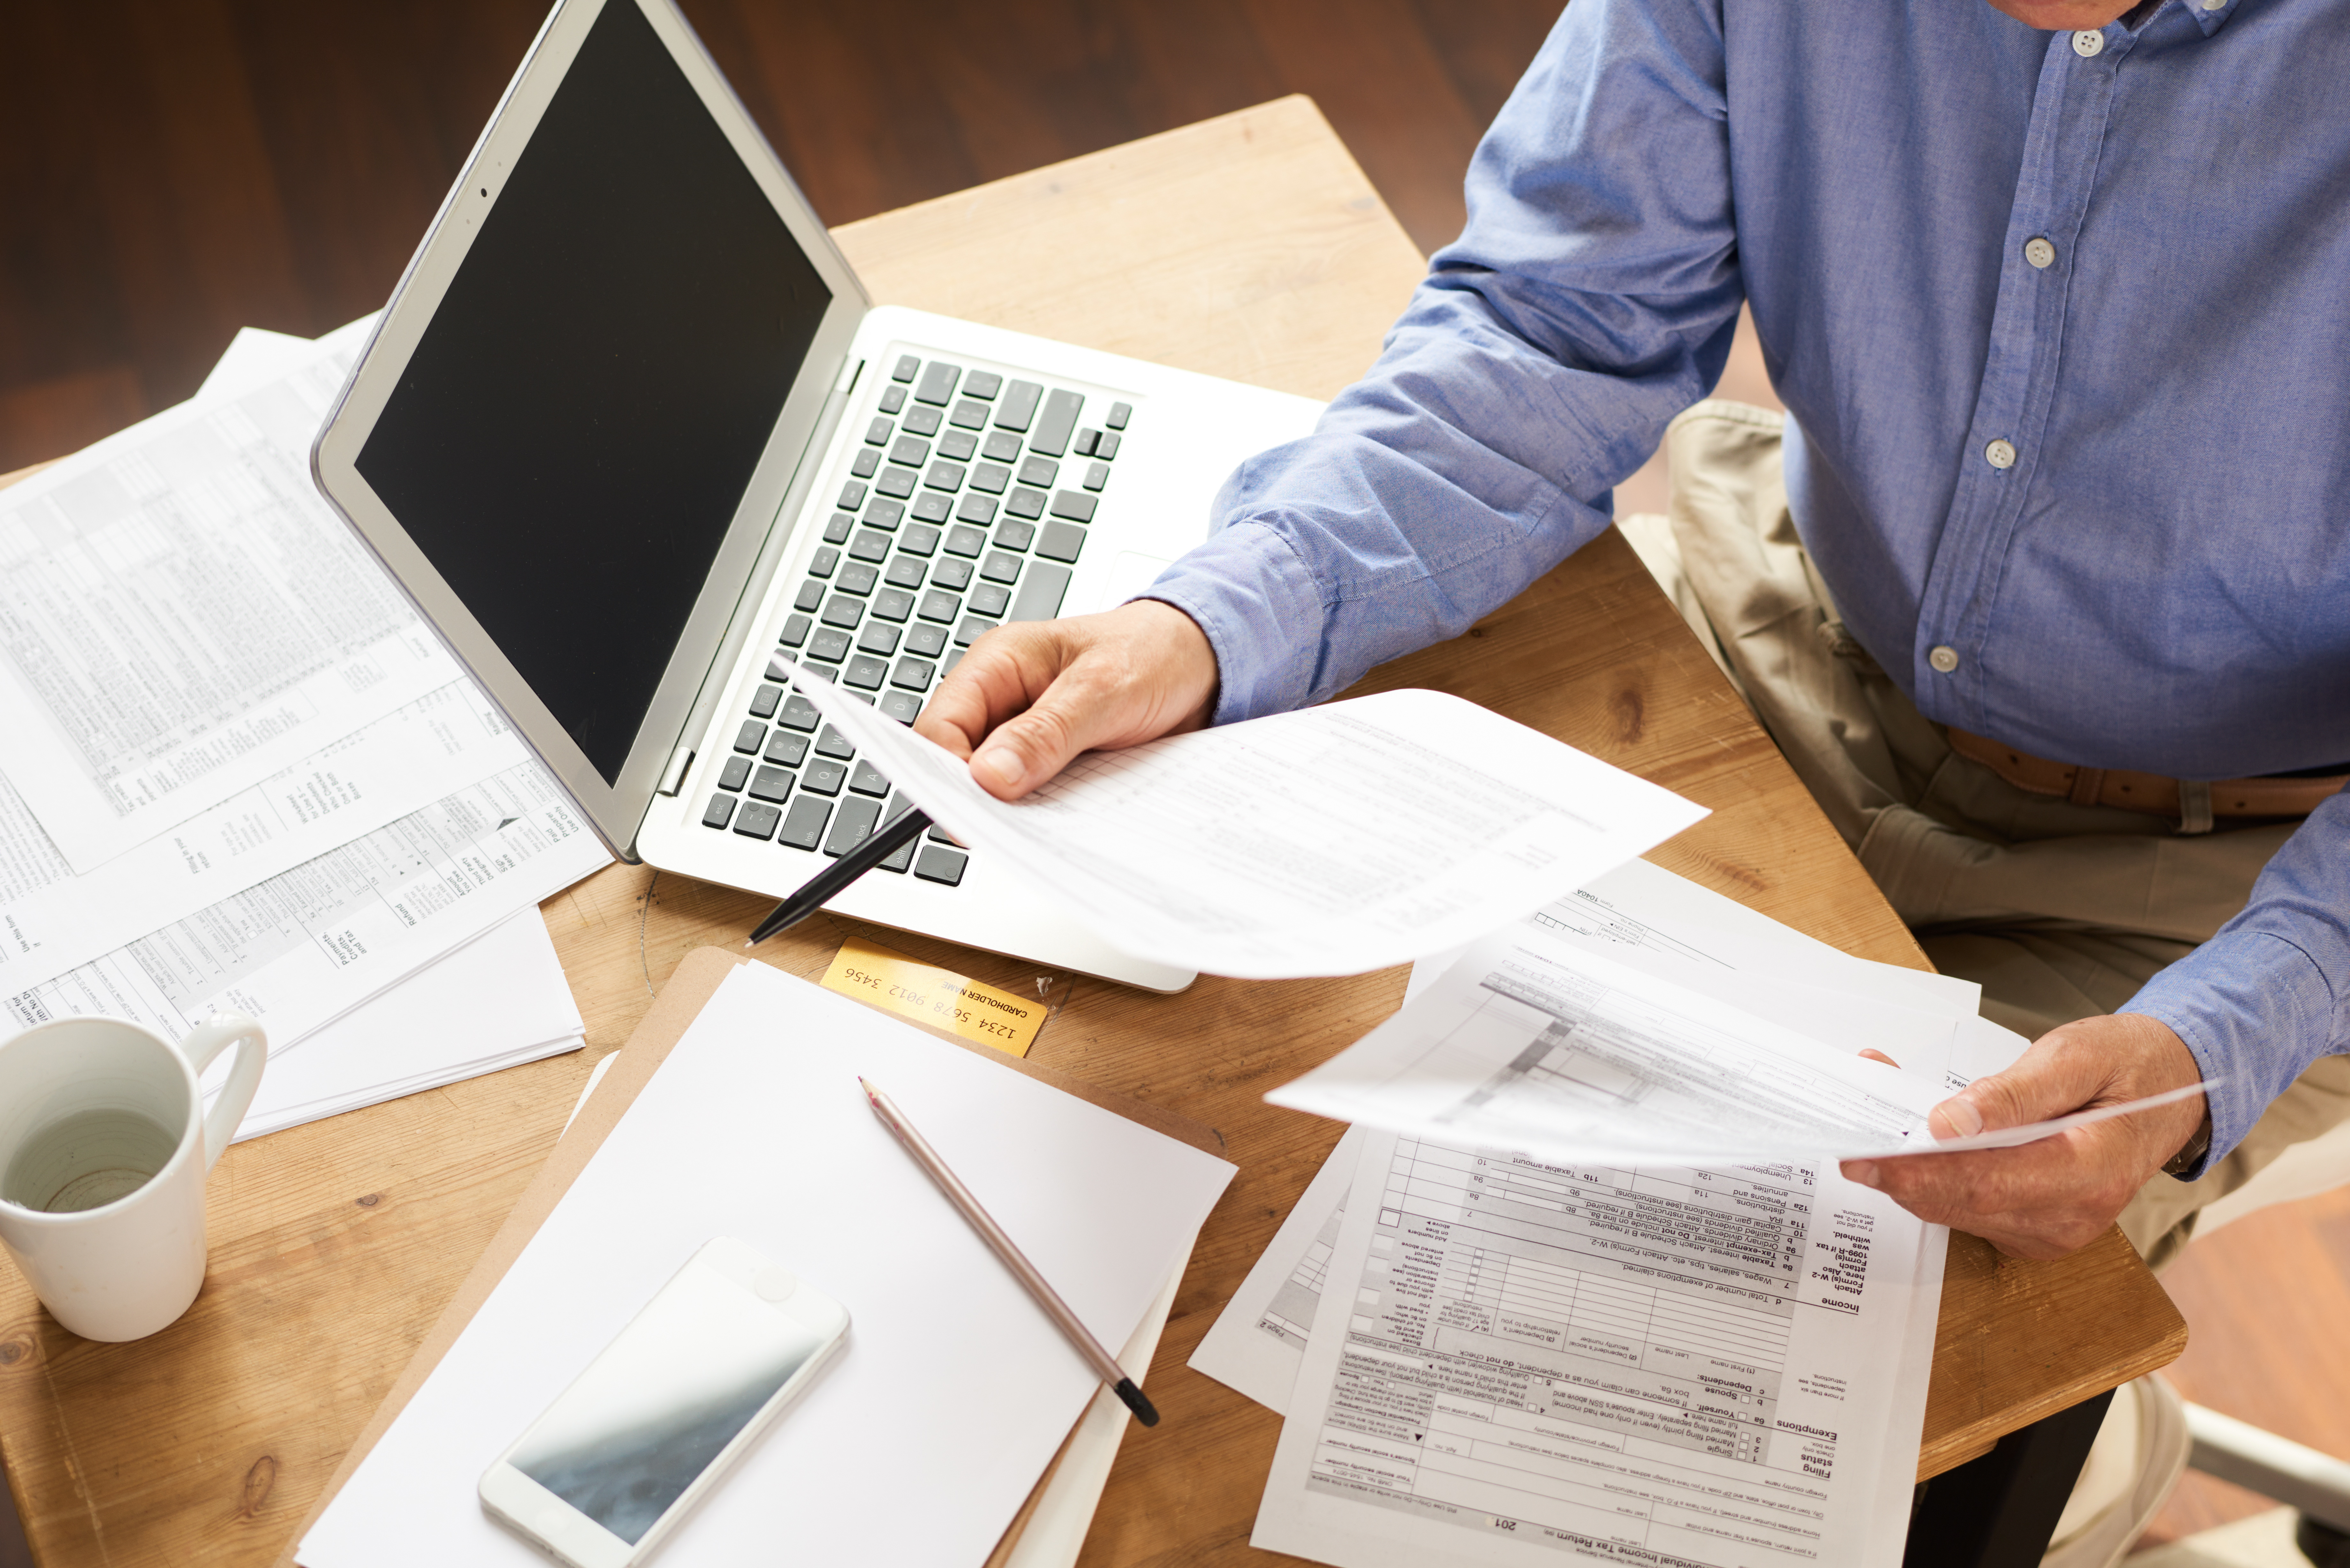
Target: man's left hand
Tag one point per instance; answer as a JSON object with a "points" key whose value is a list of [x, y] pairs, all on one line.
{"points": [[2044, 1199]]}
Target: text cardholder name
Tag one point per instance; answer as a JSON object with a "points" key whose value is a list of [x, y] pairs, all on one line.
{"points": [[935, 996]]}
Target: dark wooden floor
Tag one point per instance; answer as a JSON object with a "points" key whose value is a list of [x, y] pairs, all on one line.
{"points": [[171, 170]]}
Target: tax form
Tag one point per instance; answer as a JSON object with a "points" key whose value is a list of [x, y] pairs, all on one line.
{"points": [[1332, 840], [182, 615], [1623, 1364]]}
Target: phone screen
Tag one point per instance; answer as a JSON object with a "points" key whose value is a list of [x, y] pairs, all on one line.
{"points": [[624, 1441]]}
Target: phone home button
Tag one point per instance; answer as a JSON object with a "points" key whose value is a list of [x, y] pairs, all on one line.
{"points": [[774, 1283], [555, 1522]]}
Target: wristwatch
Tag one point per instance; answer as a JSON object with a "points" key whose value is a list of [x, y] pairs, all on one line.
{"points": [[2196, 1148]]}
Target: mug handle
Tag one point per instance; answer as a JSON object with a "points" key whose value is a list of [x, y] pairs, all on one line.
{"points": [[208, 1040]]}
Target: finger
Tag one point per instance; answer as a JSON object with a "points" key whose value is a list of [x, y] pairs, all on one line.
{"points": [[1876, 1055], [1077, 711], [998, 676], [2048, 1080]]}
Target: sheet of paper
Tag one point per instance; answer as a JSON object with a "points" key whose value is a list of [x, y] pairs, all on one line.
{"points": [[493, 1002], [1650, 919], [1627, 1365], [306, 947], [1329, 841], [922, 1443], [182, 616], [52, 922]]}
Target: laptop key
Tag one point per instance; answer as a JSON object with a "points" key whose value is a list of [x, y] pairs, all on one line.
{"points": [[867, 672], [877, 432], [904, 572], [981, 384], [824, 777], [785, 748], [971, 629], [946, 476], [1084, 444], [1039, 471], [852, 497], [878, 637], [901, 706], [821, 671], [1001, 446], [1119, 414], [811, 595], [929, 641], [892, 398], [863, 464], [1074, 505], [977, 509], [932, 507], [989, 598], [897, 483], [836, 530], [953, 573], [772, 785], [1024, 503], [922, 540], [1000, 568], [1097, 475], [937, 863], [834, 744], [1051, 435], [736, 770], [909, 451], [795, 630], [1107, 448], [749, 737], [893, 604], [957, 446], [842, 611], [1014, 535], [923, 422], [804, 823], [914, 674], [798, 713], [865, 779], [1019, 405], [953, 659], [941, 607], [821, 564], [882, 515], [906, 368], [764, 700], [850, 825], [1061, 542], [991, 477], [857, 577], [1040, 595], [869, 546], [970, 415], [963, 541], [830, 644], [719, 812], [757, 819], [938, 382]]}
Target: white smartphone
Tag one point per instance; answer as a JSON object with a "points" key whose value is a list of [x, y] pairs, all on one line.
{"points": [[663, 1412]]}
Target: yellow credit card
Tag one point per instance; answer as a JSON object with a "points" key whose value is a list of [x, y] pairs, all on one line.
{"points": [[935, 996]]}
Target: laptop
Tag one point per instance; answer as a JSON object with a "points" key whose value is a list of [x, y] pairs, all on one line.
{"points": [[634, 439]]}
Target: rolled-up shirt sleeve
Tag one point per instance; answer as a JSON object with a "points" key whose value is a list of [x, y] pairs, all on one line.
{"points": [[2266, 996], [1592, 297]]}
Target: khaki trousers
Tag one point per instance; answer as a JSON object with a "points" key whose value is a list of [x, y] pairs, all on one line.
{"points": [[2060, 911]]}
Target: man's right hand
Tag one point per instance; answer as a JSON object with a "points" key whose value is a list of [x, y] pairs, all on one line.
{"points": [[1029, 697]]}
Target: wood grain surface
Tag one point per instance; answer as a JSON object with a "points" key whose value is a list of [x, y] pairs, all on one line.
{"points": [[1248, 247]]}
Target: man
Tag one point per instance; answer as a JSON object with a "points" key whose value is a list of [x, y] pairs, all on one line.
{"points": [[2056, 522]]}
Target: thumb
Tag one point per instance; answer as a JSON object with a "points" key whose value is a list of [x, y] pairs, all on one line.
{"points": [[2045, 1082], [1022, 753]]}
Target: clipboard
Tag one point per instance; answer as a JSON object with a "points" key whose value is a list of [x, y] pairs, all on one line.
{"points": [[696, 980]]}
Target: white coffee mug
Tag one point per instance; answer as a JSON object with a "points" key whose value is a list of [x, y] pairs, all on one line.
{"points": [[104, 1147]]}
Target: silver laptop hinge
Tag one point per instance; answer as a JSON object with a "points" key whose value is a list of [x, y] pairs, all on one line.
{"points": [[672, 778]]}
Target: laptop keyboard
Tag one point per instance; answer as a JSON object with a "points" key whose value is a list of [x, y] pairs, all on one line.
{"points": [[969, 503]]}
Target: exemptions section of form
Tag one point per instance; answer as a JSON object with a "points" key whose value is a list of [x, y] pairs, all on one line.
{"points": [[1629, 1364]]}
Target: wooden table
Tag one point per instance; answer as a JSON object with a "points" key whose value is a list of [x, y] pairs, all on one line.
{"points": [[1248, 247]]}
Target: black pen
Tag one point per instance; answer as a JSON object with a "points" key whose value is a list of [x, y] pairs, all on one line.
{"points": [[885, 841]]}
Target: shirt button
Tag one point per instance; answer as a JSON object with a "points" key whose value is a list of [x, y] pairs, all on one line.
{"points": [[2000, 453], [2088, 42], [1944, 658], [2213, 4], [2039, 252]]}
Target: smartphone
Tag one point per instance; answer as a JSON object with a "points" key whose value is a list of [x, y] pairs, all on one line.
{"points": [[665, 1410]]}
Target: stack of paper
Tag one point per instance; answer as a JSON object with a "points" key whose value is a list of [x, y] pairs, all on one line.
{"points": [[241, 775], [1631, 1360]]}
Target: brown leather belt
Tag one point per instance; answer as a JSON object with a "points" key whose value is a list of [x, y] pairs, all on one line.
{"points": [[2151, 793]]}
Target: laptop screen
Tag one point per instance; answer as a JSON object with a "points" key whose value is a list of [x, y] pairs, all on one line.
{"points": [[580, 418]]}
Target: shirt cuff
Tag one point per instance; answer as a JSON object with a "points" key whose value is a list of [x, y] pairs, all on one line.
{"points": [[2256, 1011], [1254, 598]]}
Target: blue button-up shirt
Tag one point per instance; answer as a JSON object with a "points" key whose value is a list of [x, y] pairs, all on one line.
{"points": [[2105, 471]]}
